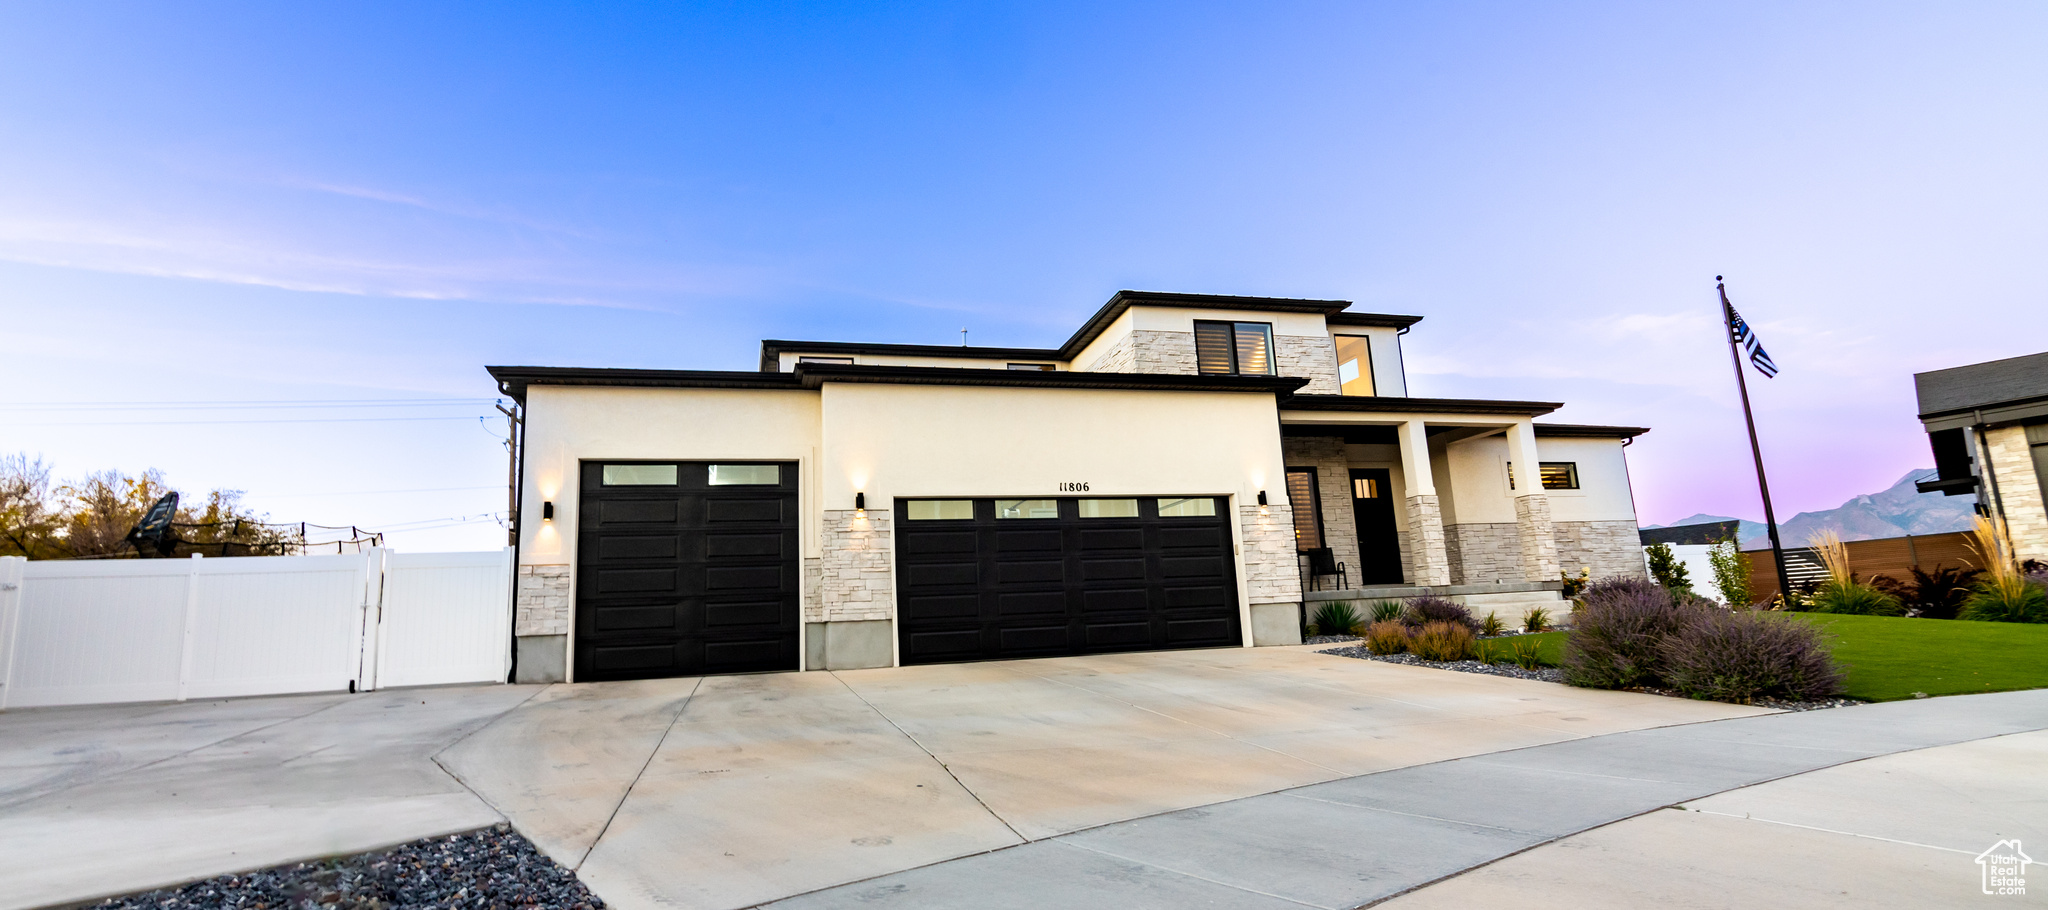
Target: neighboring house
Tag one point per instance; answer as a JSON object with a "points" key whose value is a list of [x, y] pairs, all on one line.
{"points": [[1150, 483], [1993, 414]]}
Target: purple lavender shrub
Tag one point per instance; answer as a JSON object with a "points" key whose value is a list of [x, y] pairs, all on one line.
{"points": [[1738, 657], [1422, 611], [1618, 632]]}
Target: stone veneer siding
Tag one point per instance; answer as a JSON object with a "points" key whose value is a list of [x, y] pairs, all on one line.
{"points": [[2019, 490], [1603, 548], [542, 604], [1118, 359], [1481, 553], [1271, 569], [1539, 541], [1429, 563], [855, 578], [1310, 357], [1333, 487], [1163, 352]]}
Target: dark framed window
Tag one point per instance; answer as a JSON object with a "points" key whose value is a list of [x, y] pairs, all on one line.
{"points": [[1033, 366], [1557, 475], [1233, 348], [1308, 508], [2037, 442]]}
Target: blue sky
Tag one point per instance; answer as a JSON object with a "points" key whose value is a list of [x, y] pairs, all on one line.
{"points": [[342, 202]]}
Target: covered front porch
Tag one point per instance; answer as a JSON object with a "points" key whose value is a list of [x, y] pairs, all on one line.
{"points": [[1413, 496]]}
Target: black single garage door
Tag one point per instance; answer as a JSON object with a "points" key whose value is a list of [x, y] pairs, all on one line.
{"points": [[685, 568], [989, 578]]}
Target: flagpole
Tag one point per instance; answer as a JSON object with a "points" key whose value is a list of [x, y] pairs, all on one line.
{"points": [[1755, 451]]}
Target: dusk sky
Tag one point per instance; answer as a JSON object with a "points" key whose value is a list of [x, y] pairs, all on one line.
{"points": [[205, 203]]}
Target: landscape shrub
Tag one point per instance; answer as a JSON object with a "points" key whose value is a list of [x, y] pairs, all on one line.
{"points": [[1337, 618], [1387, 611], [1731, 573], [1428, 609], [1525, 653], [2008, 591], [1619, 631], [1854, 598], [1492, 625], [1667, 569], [1386, 637], [1573, 584], [1739, 657], [1442, 641], [1536, 620], [1932, 595]]}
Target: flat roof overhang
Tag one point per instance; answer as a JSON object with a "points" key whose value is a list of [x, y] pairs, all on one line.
{"points": [[2001, 414], [515, 380]]}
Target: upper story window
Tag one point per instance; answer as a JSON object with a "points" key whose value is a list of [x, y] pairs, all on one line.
{"points": [[809, 359], [1354, 365], [1234, 348], [1033, 366]]}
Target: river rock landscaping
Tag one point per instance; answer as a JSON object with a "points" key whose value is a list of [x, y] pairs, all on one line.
{"points": [[490, 868]]}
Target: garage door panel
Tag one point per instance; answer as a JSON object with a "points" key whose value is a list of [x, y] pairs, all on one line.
{"points": [[956, 606], [1034, 638], [1124, 600], [637, 511], [1119, 634], [1096, 569], [941, 542], [769, 545], [1067, 585], [1193, 538], [1114, 539], [630, 619], [1196, 631], [1041, 572], [612, 547], [677, 577], [943, 574], [1039, 541], [1038, 603]]}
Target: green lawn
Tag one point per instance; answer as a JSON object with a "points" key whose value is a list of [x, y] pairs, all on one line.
{"points": [[1548, 644], [1890, 658]]}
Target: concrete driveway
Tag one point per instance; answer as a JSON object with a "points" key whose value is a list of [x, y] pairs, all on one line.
{"points": [[902, 787]]}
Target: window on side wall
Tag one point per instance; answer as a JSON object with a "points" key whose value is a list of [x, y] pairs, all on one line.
{"points": [[1557, 475], [1034, 366], [1233, 348], [1308, 519], [1354, 365]]}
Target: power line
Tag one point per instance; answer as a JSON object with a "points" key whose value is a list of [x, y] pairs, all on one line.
{"points": [[281, 404], [498, 486], [187, 423]]}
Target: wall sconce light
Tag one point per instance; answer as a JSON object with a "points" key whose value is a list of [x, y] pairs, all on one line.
{"points": [[1262, 504], [547, 511], [860, 505]]}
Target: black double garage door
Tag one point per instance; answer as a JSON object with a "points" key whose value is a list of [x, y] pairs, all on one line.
{"points": [[990, 578], [692, 567]]}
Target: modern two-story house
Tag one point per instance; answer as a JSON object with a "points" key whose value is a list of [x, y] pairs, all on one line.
{"points": [[1152, 483]]}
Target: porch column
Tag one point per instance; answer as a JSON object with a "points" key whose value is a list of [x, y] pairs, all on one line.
{"points": [[1432, 565], [1532, 505]]}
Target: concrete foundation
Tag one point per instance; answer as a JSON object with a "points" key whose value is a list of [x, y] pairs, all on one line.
{"points": [[853, 645], [1276, 624], [540, 658]]}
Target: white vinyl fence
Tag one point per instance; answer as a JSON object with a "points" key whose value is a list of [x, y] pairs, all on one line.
{"points": [[79, 632]]}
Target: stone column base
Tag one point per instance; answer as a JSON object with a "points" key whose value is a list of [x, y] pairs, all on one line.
{"points": [[1276, 624], [540, 658], [1539, 541], [1426, 532]]}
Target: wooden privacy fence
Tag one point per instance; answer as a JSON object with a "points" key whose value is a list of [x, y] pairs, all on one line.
{"points": [[1893, 556], [94, 632]]}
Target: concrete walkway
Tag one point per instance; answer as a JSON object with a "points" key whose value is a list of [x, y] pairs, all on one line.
{"points": [[1352, 842]]}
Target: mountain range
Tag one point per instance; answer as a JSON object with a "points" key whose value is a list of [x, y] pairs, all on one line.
{"points": [[1896, 511]]}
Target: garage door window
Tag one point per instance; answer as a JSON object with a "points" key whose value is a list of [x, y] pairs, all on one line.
{"points": [[1187, 508], [639, 475], [727, 475], [1109, 508], [1027, 508], [940, 509]]}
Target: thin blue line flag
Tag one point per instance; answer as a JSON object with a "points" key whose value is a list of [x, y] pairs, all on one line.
{"points": [[1747, 338]]}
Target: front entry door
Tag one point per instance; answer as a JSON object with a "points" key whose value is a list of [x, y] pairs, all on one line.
{"points": [[1379, 549]]}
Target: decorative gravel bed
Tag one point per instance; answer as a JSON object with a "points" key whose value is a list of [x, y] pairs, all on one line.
{"points": [[1555, 675], [1329, 639], [490, 868]]}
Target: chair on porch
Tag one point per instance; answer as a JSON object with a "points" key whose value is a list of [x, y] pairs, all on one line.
{"points": [[1322, 563]]}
